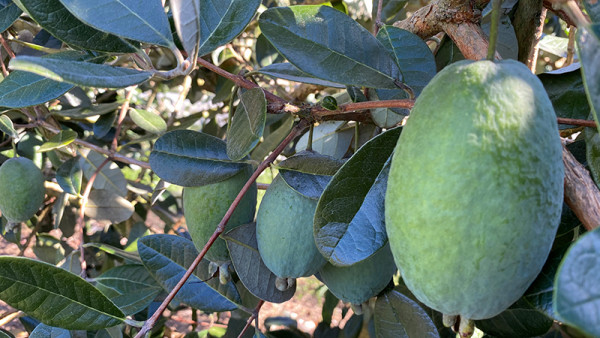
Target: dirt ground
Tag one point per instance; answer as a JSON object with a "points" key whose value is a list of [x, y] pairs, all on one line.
{"points": [[304, 307]]}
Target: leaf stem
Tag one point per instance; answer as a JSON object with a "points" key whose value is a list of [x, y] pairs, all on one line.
{"points": [[496, 7], [221, 227]]}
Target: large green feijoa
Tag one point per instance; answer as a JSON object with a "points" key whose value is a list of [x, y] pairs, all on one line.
{"points": [[359, 282], [475, 189], [21, 189], [205, 206], [284, 232]]}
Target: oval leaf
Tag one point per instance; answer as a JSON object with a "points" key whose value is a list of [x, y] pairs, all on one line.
{"points": [[167, 257], [45, 331], [110, 176], [576, 288], [186, 14], [189, 158], [7, 127], [57, 20], [349, 224], [80, 73], [9, 13], [148, 121], [328, 44], [567, 93], [398, 316], [519, 320], [330, 138], [588, 50], [247, 125], [251, 269], [55, 296], [308, 172], [223, 20], [287, 71], [143, 21], [105, 205], [63, 138], [130, 287]]}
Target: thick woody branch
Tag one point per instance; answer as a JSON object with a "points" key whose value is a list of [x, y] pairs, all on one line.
{"points": [[581, 193]]}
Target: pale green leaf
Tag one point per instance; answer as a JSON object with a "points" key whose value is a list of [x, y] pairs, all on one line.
{"points": [[63, 138], [110, 176], [186, 14], [105, 205], [148, 121], [7, 127], [247, 125]]}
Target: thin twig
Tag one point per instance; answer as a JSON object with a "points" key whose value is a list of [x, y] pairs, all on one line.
{"points": [[221, 227], [10, 317], [576, 122], [571, 45], [253, 317], [7, 47], [378, 21], [122, 113], [535, 50]]}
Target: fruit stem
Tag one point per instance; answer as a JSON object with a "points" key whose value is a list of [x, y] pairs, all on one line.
{"points": [[496, 7], [221, 227]]}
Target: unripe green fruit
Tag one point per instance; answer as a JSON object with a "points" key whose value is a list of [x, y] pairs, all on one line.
{"points": [[205, 206], [475, 188], [284, 232], [359, 282], [22, 189]]}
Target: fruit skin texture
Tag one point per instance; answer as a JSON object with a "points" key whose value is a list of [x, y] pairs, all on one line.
{"points": [[284, 232], [22, 189], [475, 190], [205, 206], [359, 282]]}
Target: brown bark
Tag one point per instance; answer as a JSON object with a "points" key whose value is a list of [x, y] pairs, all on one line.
{"points": [[581, 193], [526, 23]]}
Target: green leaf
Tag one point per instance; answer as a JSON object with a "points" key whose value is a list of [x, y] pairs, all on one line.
{"points": [[167, 257], [593, 10], [265, 53], [349, 224], [507, 45], [186, 14], [148, 121], [588, 49], [223, 20], [7, 127], [398, 316], [106, 205], [130, 257], [519, 320], [554, 45], [104, 124], [85, 112], [63, 138], [328, 44], [143, 21], [48, 249], [110, 176], [55, 296], [567, 93], [308, 172], [389, 10], [388, 117], [80, 73], [22, 89], [576, 288], [330, 138], [592, 147], [57, 20], [130, 287], [189, 158], [252, 271], [69, 176], [45, 331], [9, 13], [287, 71], [247, 125], [274, 137]]}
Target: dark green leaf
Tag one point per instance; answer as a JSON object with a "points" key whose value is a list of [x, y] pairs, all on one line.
{"points": [[57, 20], [287, 71], [506, 43], [186, 14], [567, 93], [265, 53], [254, 274], [247, 125], [148, 121], [588, 49], [131, 257], [48, 249], [309, 173], [7, 127], [106, 205], [349, 222], [576, 288], [519, 320], [55, 296], [389, 10], [69, 175], [189, 158], [58, 209], [592, 147], [109, 178], [9, 12], [63, 138], [130, 287], [330, 138], [223, 20], [104, 124], [329, 306], [143, 21], [328, 44], [87, 111], [80, 73], [398, 316], [45, 331], [593, 10], [167, 257]]}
